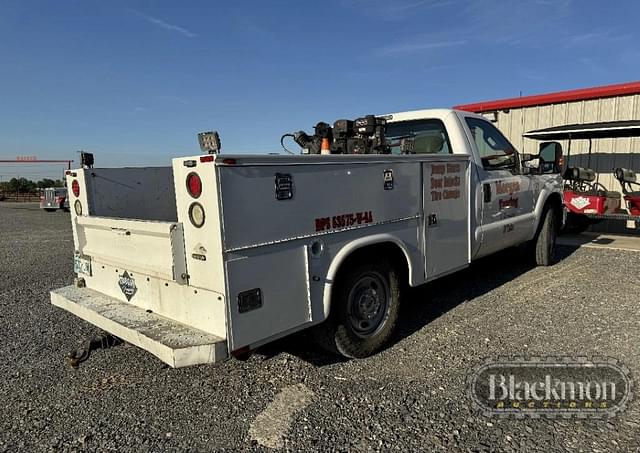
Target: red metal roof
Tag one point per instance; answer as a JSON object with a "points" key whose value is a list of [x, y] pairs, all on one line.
{"points": [[581, 94]]}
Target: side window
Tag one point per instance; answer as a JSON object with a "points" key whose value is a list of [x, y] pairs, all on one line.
{"points": [[494, 149], [418, 137]]}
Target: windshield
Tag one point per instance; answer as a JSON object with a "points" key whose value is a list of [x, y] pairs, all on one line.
{"points": [[418, 137]]}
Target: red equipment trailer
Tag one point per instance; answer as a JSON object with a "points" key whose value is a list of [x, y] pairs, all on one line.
{"points": [[586, 200]]}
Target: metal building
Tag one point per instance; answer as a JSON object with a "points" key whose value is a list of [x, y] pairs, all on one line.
{"points": [[516, 116]]}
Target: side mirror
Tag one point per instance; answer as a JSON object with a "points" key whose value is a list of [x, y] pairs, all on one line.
{"points": [[550, 154]]}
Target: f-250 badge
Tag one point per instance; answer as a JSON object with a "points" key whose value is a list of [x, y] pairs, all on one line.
{"points": [[127, 285]]}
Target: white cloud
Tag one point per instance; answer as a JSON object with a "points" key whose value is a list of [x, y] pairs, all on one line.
{"points": [[411, 47], [605, 37], [393, 10], [166, 25]]}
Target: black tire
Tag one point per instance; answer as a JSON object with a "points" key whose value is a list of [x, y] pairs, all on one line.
{"points": [[364, 309], [50, 209], [544, 243]]}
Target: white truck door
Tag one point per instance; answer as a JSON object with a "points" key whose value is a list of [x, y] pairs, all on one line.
{"points": [[446, 215], [503, 194]]}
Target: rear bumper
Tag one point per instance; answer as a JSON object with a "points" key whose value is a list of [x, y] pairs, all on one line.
{"points": [[174, 343]]}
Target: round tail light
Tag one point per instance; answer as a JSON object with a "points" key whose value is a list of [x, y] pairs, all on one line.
{"points": [[75, 188], [194, 185], [196, 214]]}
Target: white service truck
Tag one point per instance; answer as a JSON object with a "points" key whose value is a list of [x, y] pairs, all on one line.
{"points": [[219, 254]]}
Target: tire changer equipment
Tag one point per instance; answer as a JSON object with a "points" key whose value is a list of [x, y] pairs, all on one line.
{"points": [[364, 135]]}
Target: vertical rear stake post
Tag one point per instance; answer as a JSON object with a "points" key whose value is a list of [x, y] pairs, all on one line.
{"points": [[106, 341]]}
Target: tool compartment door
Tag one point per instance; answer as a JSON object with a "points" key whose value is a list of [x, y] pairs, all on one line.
{"points": [[279, 273], [446, 216], [152, 248]]}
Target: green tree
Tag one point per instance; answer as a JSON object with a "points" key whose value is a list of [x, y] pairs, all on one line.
{"points": [[46, 182], [22, 185]]}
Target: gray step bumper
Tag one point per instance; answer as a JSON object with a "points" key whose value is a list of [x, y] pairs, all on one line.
{"points": [[174, 343]]}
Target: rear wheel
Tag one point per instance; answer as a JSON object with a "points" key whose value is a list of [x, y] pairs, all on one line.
{"points": [[364, 310], [50, 209], [544, 243]]}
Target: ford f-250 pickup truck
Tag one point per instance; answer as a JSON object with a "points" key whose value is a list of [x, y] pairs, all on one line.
{"points": [[219, 254]]}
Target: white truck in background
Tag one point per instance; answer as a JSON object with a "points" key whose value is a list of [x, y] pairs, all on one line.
{"points": [[219, 254]]}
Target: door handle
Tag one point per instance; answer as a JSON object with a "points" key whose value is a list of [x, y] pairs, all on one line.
{"points": [[486, 189], [121, 231]]}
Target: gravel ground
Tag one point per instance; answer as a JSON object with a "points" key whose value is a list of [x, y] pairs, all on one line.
{"points": [[289, 395]]}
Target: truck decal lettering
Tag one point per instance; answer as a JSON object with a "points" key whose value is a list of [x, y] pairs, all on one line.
{"points": [[323, 223], [344, 220], [438, 169], [452, 181], [507, 187], [451, 194], [453, 168], [445, 185], [511, 202]]}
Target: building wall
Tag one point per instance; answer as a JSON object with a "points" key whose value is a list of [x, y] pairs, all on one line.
{"points": [[607, 154]]}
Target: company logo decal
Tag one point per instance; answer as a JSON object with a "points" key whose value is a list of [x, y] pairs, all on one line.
{"points": [[580, 202], [127, 285]]}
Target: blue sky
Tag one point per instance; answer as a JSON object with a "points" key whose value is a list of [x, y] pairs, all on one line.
{"points": [[135, 81]]}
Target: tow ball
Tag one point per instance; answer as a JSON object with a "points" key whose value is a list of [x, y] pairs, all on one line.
{"points": [[106, 341]]}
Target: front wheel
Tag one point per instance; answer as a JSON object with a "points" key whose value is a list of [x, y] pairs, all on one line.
{"points": [[364, 310], [545, 241]]}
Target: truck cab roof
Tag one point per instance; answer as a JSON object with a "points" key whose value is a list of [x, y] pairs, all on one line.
{"points": [[423, 114]]}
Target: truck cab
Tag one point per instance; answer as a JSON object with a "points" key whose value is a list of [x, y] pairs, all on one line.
{"points": [[508, 194]]}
